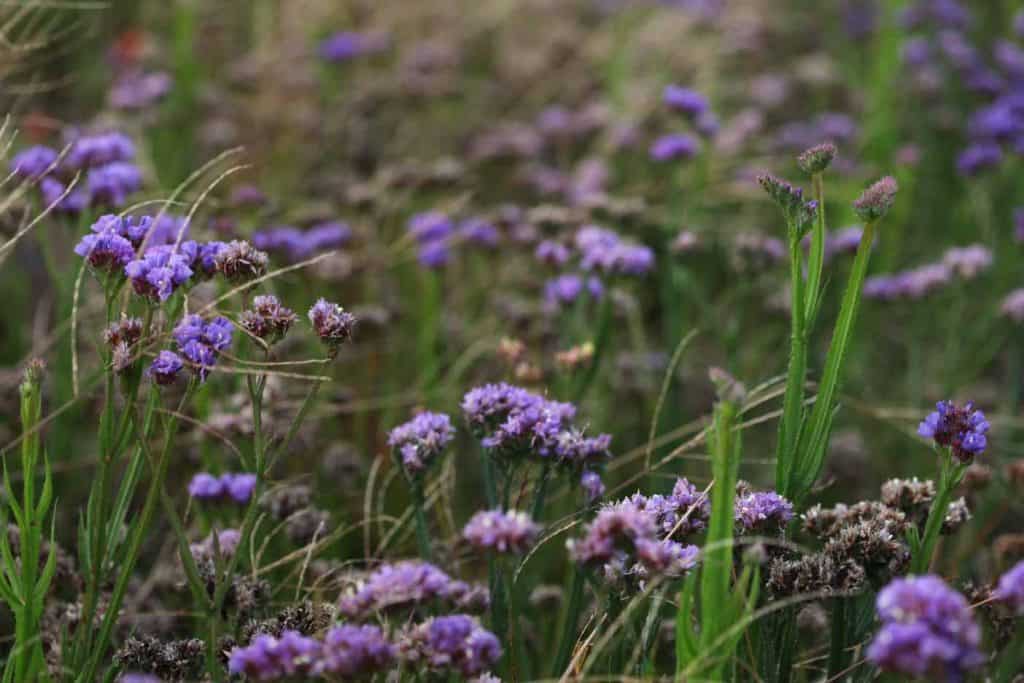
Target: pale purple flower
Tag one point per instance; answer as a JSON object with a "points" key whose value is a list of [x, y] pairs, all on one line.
{"points": [[666, 557], [33, 162], [451, 644], [201, 341], [685, 101], [89, 151], [977, 158], [347, 45], [421, 440], [968, 262], [158, 273], [592, 485], [227, 541], [353, 652], [616, 528], [480, 232], [1013, 306], [403, 585], [267, 658], [762, 512], [333, 324], [239, 487], [110, 184], [552, 253], [205, 486], [53, 194], [674, 147], [1010, 589], [508, 531], [165, 368], [138, 90]]}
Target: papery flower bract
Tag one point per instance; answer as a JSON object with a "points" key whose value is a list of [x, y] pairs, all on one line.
{"points": [[267, 318], [762, 512], [502, 531], [239, 261], [158, 273], [961, 429]]}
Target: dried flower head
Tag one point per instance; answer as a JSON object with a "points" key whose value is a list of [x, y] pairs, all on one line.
{"points": [[239, 261], [267, 318], [333, 324], [817, 159]]}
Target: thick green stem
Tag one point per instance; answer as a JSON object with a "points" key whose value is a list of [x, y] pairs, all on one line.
{"points": [[422, 529], [949, 477], [792, 404], [816, 256], [570, 619]]}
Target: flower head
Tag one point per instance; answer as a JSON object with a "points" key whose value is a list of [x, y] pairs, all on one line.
{"points": [[790, 199], [354, 652], [454, 644], [267, 658], [1010, 589], [239, 261], [674, 147], [421, 440], [33, 162], [165, 367], [876, 201], [961, 429], [159, 272], [333, 324], [762, 512], [105, 251], [201, 341], [685, 101], [403, 585], [90, 151], [501, 531], [267, 318], [817, 159], [927, 630]]}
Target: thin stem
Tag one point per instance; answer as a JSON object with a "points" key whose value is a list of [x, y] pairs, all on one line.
{"points": [[572, 613], [792, 405], [949, 477], [422, 530]]}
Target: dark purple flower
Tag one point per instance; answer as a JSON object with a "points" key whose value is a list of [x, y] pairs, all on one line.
{"points": [[674, 147], [201, 341], [479, 231], [165, 367], [453, 644], [431, 226], [206, 259], [501, 531], [239, 487], [346, 45], [110, 184], [89, 151], [961, 429], [267, 318], [1010, 589], [106, 251], [762, 512], [205, 486], [927, 630], [33, 162], [421, 440], [977, 158]]}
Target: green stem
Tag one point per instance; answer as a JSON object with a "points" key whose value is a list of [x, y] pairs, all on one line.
{"points": [[837, 655], [570, 619], [422, 529], [949, 477], [816, 257], [792, 404]]}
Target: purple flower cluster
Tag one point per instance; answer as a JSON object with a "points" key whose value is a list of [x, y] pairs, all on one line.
{"points": [[927, 631], [1010, 589], [105, 251], [607, 252], [623, 540], [961, 429], [512, 422], [237, 487], [842, 241], [451, 644], [674, 147], [267, 319], [1013, 306], [693, 106], [408, 585], [201, 341], [297, 244], [566, 289], [160, 272], [432, 231], [762, 512], [683, 512], [963, 262], [420, 441], [139, 90], [501, 531], [347, 45], [165, 368], [352, 652], [332, 323], [227, 541], [34, 162], [267, 658], [790, 199], [92, 151]]}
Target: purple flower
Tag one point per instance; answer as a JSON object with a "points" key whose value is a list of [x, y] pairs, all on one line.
{"points": [[960, 429], [201, 341], [110, 185], [347, 45], [165, 368], [403, 585], [239, 261], [353, 652], [206, 259], [552, 253], [454, 643], [762, 512], [615, 529], [90, 151], [480, 232], [968, 262], [132, 228], [421, 440], [298, 244], [106, 251], [685, 101], [790, 199], [1013, 306], [876, 201], [977, 158], [605, 250], [267, 319], [267, 658], [501, 531], [33, 162], [683, 512], [592, 485], [434, 255], [1011, 588], [239, 487], [158, 273], [137, 90], [53, 194], [666, 557], [333, 324], [927, 630], [674, 147], [431, 226], [227, 541], [205, 486], [562, 290]]}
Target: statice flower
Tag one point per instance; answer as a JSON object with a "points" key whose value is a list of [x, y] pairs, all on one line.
{"points": [[267, 658], [977, 158], [960, 429], [346, 45], [159, 273], [968, 262], [206, 258], [510, 420], [552, 253], [239, 261], [762, 512], [267, 318], [33, 162], [432, 231], [616, 529], [404, 585], [451, 644], [927, 631], [500, 531], [138, 90], [790, 199], [421, 440], [165, 368], [876, 201], [674, 147], [605, 250], [56, 194], [110, 185], [480, 232], [90, 151], [592, 485], [353, 652], [299, 244], [816, 159], [666, 557], [683, 512], [235, 487], [1010, 589], [332, 323], [227, 541], [566, 289], [201, 341], [685, 101], [106, 251], [911, 284]]}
